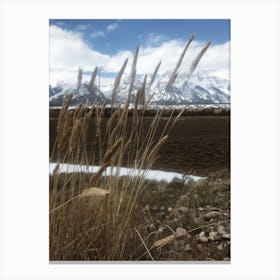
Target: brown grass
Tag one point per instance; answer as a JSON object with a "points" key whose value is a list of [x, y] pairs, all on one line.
{"points": [[85, 228]]}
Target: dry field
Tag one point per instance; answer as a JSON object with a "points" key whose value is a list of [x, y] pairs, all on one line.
{"points": [[196, 145]]}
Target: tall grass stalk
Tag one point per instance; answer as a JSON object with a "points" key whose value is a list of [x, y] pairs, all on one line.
{"points": [[92, 216]]}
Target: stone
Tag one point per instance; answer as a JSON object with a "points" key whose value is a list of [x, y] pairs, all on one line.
{"points": [[203, 239], [211, 215], [151, 227], [226, 235], [212, 235], [183, 209], [162, 208], [169, 209], [221, 229], [202, 234], [200, 209], [147, 207], [180, 232], [160, 230], [187, 248], [220, 247]]}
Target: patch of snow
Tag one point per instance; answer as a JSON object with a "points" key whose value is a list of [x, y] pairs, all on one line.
{"points": [[156, 175]]}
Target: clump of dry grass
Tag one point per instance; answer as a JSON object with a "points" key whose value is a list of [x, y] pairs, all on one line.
{"points": [[83, 228]]}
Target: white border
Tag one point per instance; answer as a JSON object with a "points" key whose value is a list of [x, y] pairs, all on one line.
{"points": [[254, 130]]}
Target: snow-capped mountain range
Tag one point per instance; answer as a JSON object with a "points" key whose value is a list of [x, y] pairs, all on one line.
{"points": [[200, 88]]}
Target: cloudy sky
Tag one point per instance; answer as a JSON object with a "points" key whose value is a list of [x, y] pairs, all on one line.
{"points": [[107, 43]]}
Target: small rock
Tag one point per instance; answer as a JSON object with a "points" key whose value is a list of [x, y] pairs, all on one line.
{"points": [[187, 248], [203, 239], [212, 235], [175, 220], [200, 209], [202, 234], [211, 215], [183, 209], [226, 259], [162, 208], [220, 247], [160, 230], [226, 235], [154, 208], [180, 232], [221, 229], [169, 209], [151, 227], [147, 207]]}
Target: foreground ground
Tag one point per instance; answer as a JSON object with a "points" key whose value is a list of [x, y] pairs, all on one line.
{"points": [[199, 211], [189, 221], [179, 221]]}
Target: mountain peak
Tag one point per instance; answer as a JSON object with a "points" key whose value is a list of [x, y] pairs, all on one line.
{"points": [[202, 87]]}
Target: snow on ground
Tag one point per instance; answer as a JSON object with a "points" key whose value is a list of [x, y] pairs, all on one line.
{"points": [[157, 175]]}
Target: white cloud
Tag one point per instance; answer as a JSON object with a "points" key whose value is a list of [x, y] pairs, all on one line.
{"points": [[68, 51], [97, 34], [100, 33], [153, 39], [112, 27], [116, 61]]}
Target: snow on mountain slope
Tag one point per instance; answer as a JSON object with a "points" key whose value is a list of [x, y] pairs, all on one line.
{"points": [[81, 95], [200, 88]]}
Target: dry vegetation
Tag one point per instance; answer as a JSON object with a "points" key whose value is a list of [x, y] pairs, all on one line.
{"points": [[96, 217]]}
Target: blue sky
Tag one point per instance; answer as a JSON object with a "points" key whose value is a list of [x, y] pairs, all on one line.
{"points": [[106, 43]]}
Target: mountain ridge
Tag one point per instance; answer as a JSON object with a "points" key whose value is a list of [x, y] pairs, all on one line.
{"points": [[200, 88]]}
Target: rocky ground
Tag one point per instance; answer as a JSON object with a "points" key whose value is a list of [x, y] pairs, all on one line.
{"points": [[188, 221]]}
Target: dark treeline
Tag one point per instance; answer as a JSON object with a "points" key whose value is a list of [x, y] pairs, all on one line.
{"points": [[166, 112]]}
